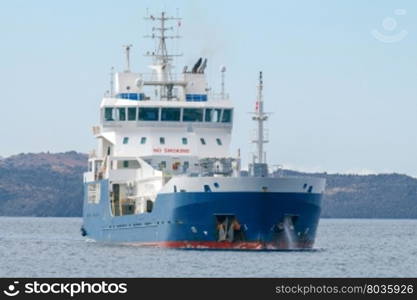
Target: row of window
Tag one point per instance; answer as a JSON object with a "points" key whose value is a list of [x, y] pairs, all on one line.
{"points": [[131, 96], [162, 141], [141, 96], [161, 165], [168, 114]]}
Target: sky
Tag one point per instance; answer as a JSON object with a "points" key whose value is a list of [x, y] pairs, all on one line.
{"points": [[339, 76]]}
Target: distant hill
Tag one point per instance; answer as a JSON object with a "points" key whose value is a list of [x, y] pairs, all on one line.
{"points": [[42, 184], [368, 196], [47, 184]]}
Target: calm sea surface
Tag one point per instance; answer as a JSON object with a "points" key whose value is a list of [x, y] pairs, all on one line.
{"points": [[53, 247]]}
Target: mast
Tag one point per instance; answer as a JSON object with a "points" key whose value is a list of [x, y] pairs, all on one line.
{"points": [[260, 117], [127, 51], [161, 58], [111, 82], [223, 71]]}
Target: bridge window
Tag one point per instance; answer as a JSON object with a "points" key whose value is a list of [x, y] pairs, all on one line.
{"points": [[219, 141], [148, 114], [125, 140], [108, 114], [207, 116], [227, 116], [184, 141], [143, 140], [162, 140], [122, 114], [192, 115], [196, 97], [203, 141], [170, 114], [131, 114], [126, 164], [131, 96], [213, 114]]}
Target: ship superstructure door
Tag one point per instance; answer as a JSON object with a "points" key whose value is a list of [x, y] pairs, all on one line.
{"points": [[121, 203], [115, 200]]}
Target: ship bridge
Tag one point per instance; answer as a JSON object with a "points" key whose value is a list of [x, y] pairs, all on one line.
{"points": [[180, 128], [170, 121]]}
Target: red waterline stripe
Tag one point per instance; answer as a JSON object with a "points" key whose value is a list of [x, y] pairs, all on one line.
{"points": [[224, 245]]}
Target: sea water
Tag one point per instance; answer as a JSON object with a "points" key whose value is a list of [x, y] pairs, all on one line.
{"points": [[53, 247]]}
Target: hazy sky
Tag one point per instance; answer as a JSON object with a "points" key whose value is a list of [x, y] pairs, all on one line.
{"points": [[340, 76]]}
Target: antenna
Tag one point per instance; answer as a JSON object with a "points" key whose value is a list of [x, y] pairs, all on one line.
{"points": [[111, 81], [162, 59], [161, 55], [223, 71], [127, 51]]}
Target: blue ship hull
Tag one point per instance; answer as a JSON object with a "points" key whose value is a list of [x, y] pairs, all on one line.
{"points": [[191, 220]]}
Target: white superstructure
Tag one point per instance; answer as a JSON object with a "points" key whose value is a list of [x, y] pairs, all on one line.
{"points": [[158, 125]]}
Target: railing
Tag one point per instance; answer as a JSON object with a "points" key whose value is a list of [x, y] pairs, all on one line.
{"points": [[218, 96], [151, 77], [92, 154], [123, 174], [96, 130]]}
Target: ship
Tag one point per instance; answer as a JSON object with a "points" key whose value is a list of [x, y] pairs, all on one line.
{"points": [[163, 176]]}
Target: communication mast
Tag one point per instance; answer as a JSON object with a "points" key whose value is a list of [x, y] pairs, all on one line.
{"points": [[161, 56], [259, 166]]}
